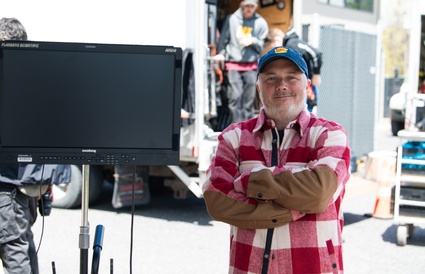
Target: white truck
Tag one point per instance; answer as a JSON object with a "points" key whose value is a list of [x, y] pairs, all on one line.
{"points": [[415, 61], [189, 24], [415, 64], [407, 107]]}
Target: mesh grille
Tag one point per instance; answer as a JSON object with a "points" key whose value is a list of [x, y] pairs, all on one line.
{"points": [[347, 92]]}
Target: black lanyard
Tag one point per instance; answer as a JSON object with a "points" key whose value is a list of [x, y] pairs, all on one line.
{"points": [[269, 237]]}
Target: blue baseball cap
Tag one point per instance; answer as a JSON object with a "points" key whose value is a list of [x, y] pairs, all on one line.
{"points": [[282, 52]]}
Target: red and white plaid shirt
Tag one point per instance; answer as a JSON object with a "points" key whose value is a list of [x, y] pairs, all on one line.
{"points": [[309, 243]]}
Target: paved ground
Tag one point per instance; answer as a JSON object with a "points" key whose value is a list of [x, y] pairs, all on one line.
{"points": [[370, 242]]}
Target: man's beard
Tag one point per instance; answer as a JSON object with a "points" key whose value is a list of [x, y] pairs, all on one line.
{"points": [[291, 112]]}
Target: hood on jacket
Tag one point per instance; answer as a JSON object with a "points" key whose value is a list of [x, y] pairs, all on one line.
{"points": [[290, 34]]}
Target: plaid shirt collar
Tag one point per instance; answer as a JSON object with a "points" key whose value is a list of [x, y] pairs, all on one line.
{"points": [[300, 124]]}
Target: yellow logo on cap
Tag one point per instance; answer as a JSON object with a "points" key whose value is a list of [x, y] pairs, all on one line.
{"points": [[281, 50]]}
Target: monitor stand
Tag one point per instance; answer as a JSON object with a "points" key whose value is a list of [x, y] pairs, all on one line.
{"points": [[84, 236]]}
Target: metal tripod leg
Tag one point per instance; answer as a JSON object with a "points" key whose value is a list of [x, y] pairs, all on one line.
{"points": [[84, 237]]}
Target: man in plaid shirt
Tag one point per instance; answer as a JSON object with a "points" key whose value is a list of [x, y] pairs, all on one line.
{"points": [[279, 179]]}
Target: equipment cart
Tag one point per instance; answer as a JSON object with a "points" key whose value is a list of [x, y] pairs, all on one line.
{"points": [[409, 190]]}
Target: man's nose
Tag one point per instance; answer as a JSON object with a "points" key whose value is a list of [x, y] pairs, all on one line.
{"points": [[282, 85]]}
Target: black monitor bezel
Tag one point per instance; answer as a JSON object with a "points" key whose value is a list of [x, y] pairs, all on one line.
{"points": [[95, 155]]}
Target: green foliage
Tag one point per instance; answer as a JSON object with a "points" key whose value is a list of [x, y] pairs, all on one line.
{"points": [[395, 39]]}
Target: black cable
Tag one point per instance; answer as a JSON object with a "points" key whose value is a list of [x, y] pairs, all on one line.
{"points": [[42, 215], [132, 219], [53, 268]]}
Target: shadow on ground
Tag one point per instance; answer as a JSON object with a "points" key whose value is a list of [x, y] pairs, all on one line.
{"points": [[350, 218], [417, 239]]}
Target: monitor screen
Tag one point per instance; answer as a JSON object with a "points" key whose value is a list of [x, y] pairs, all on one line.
{"points": [[76, 103]]}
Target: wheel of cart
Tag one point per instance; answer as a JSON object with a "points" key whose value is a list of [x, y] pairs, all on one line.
{"points": [[404, 232]]}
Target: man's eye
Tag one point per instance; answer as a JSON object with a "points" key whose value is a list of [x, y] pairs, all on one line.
{"points": [[272, 79]]}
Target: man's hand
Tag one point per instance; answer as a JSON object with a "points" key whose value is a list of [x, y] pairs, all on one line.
{"points": [[245, 41], [311, 164], [219, 58], [316, 80]]}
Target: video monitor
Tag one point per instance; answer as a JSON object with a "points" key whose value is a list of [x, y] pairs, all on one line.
{"points": [[77, 103]]}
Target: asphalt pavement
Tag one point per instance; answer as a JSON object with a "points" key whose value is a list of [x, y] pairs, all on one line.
{"points": [[177, 236], [370, 243]]}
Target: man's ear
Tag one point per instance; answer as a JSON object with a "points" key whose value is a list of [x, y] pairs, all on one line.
{"points": [[257, 88], [308, 83]]}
